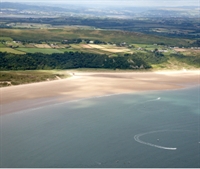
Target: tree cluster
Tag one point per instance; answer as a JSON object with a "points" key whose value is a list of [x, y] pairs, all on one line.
{"points": [[69, 60]]}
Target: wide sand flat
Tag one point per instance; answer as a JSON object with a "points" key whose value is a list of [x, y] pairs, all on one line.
{"points": [[90, 84]]}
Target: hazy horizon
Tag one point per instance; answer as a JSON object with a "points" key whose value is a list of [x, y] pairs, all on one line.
{"points": [[132, 3]]}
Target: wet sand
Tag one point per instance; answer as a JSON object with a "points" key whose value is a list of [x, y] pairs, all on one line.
{"points": [[91, 84]]}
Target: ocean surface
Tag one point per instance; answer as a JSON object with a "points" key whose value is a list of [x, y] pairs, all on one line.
{"points": [[147, 129]]}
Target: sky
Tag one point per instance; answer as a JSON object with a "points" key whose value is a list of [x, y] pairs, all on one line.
{"points": [[117, 2]]}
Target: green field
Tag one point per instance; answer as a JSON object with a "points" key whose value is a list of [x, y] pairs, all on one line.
{"points": [[2, 45], [145, 46], [31, 37], [5, 38], [10, 50], [103, 35], [68, 50], [39, 50]]}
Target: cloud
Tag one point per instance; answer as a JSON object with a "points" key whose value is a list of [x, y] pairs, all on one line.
{"points": [[118, 2]]}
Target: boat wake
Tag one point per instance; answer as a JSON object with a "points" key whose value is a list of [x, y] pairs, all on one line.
{"points": [[137, 138]]}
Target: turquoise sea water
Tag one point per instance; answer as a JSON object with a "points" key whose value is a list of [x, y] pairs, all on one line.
{"points": [[151, 129]]}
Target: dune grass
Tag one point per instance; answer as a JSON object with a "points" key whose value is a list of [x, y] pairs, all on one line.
{"points": [[8, 78]]}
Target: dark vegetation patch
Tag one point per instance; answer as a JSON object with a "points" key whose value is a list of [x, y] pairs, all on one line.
{"points": [[71, 60]]}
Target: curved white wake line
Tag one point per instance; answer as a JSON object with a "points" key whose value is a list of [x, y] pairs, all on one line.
{"points": [[150, 100], [137, 138], [154, 99]]}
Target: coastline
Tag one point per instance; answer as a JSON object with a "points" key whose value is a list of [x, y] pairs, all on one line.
{"points": [[92, 84]]}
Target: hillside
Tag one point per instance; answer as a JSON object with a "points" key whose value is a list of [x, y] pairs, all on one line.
{"points": [[115, 36]]}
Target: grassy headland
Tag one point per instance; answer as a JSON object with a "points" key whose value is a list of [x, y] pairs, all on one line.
{"points": [[9, 78]]}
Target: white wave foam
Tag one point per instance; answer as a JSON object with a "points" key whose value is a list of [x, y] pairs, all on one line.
{"points": [[69, 101]]}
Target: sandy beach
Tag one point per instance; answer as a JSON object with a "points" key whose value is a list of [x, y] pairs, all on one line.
{"points": [[91, 84]]}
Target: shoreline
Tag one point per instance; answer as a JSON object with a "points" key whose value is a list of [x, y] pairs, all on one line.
{"points": [[96, 97], [85, 85]]}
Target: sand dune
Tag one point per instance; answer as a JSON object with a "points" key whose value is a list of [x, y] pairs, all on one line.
{"points": [[90, 84]]}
